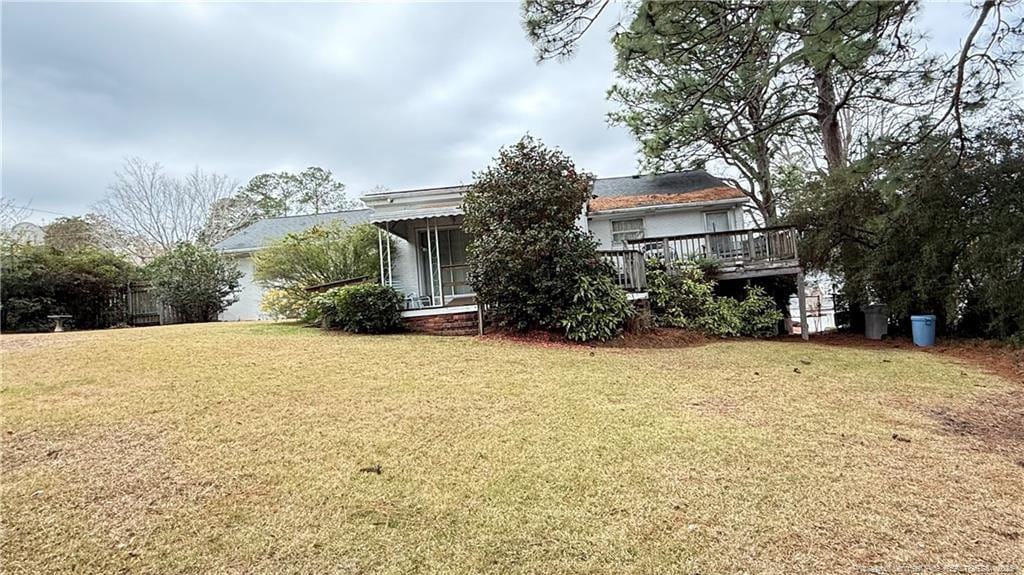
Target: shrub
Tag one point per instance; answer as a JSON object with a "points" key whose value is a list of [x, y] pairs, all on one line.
{"points": [[684, 297], [598, 311], [681, 296], [195, 281], [759, 316], [360, 308], [39, 281], [527, 255], [316, 256], [283, 304]]}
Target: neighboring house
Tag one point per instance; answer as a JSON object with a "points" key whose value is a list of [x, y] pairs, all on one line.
{"points": [[259, 235], [672, 216]]}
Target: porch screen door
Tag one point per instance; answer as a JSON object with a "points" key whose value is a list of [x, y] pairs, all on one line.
{"points": [[443, 266]]}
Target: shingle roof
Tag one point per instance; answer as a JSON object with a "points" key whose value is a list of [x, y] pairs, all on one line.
{"points": [[265, 231], [660, 189]]}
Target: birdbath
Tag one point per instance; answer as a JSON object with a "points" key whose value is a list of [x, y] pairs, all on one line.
{"points": [[59, 318]]}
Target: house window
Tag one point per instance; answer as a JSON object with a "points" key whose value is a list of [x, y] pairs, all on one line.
{"points": [[716, 221], [623, 230]]}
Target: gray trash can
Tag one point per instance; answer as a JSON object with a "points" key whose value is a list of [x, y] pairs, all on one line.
{"points": [[876, 320]]}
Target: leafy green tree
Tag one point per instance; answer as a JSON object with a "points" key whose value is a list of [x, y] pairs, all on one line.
{"points": [[939, 231], [318, 191], [70, 234], [526, 254], [753, 83], [319, 255], [197, 282], [313, 190], [40, 280], [271, 195]]}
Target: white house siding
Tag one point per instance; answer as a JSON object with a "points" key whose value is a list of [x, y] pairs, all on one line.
{"points": [[404, 274], [248, 305], [663, 222]]}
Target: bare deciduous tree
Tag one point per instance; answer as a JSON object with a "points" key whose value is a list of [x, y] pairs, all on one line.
{"points": [[144, 202], [11, 213]]}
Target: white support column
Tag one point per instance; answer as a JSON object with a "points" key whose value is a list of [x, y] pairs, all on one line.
{"points": [[387, 242], [440, 280], [380, 253], [801, 296], [430, 264]]}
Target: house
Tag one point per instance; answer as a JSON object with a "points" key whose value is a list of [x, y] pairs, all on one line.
{"points": [[673, 216], [242, 245], [634, 207]]}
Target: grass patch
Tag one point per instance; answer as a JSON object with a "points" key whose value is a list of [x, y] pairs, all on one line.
{"points": [[245, 448]]}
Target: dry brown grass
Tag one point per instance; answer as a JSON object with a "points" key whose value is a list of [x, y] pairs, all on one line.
{"points": [[238, 449]]}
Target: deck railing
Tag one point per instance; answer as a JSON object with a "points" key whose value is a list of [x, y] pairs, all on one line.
{"points": [[742, 247], [630, 270]]}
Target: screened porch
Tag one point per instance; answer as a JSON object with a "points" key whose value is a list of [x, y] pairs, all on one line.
{"points": [[425, 260]]}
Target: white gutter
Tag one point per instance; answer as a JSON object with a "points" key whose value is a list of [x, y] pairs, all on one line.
{"points": [[236, 251]]}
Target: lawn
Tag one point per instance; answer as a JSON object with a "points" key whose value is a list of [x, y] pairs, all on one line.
{"points": [[255, 448]]}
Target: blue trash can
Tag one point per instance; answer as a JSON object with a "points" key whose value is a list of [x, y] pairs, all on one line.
{"points": [[924, 330]]}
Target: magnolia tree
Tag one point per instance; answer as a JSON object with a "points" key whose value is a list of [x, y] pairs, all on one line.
{"points": [[528, 259]]}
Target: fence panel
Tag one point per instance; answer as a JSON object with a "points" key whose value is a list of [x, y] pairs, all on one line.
{"points": [[145, 308]]}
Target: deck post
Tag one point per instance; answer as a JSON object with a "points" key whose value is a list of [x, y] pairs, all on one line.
{"points": [[801, 297]]}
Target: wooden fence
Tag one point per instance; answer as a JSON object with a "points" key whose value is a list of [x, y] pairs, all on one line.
{"points": [[144, 308]]}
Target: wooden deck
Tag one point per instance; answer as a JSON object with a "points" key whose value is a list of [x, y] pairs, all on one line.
{"points": [[738, 254], [630, 268]]}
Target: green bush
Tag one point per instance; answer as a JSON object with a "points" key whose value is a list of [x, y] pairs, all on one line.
{"points": [[360, 308], [598, 311], [39, 281], [684, 297], [759, 316], [681, 296], [195, 281]]}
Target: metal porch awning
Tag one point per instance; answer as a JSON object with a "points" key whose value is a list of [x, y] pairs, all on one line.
{"points": [[415, 214]]}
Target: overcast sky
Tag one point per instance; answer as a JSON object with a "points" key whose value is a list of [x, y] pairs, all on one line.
{"points": [[398, 95]]}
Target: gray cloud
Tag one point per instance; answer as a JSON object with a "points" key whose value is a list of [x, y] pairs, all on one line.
{"points": [[400, 95]]}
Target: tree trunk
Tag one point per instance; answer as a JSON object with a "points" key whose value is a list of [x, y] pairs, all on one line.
{"points": [[828, 119]]}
